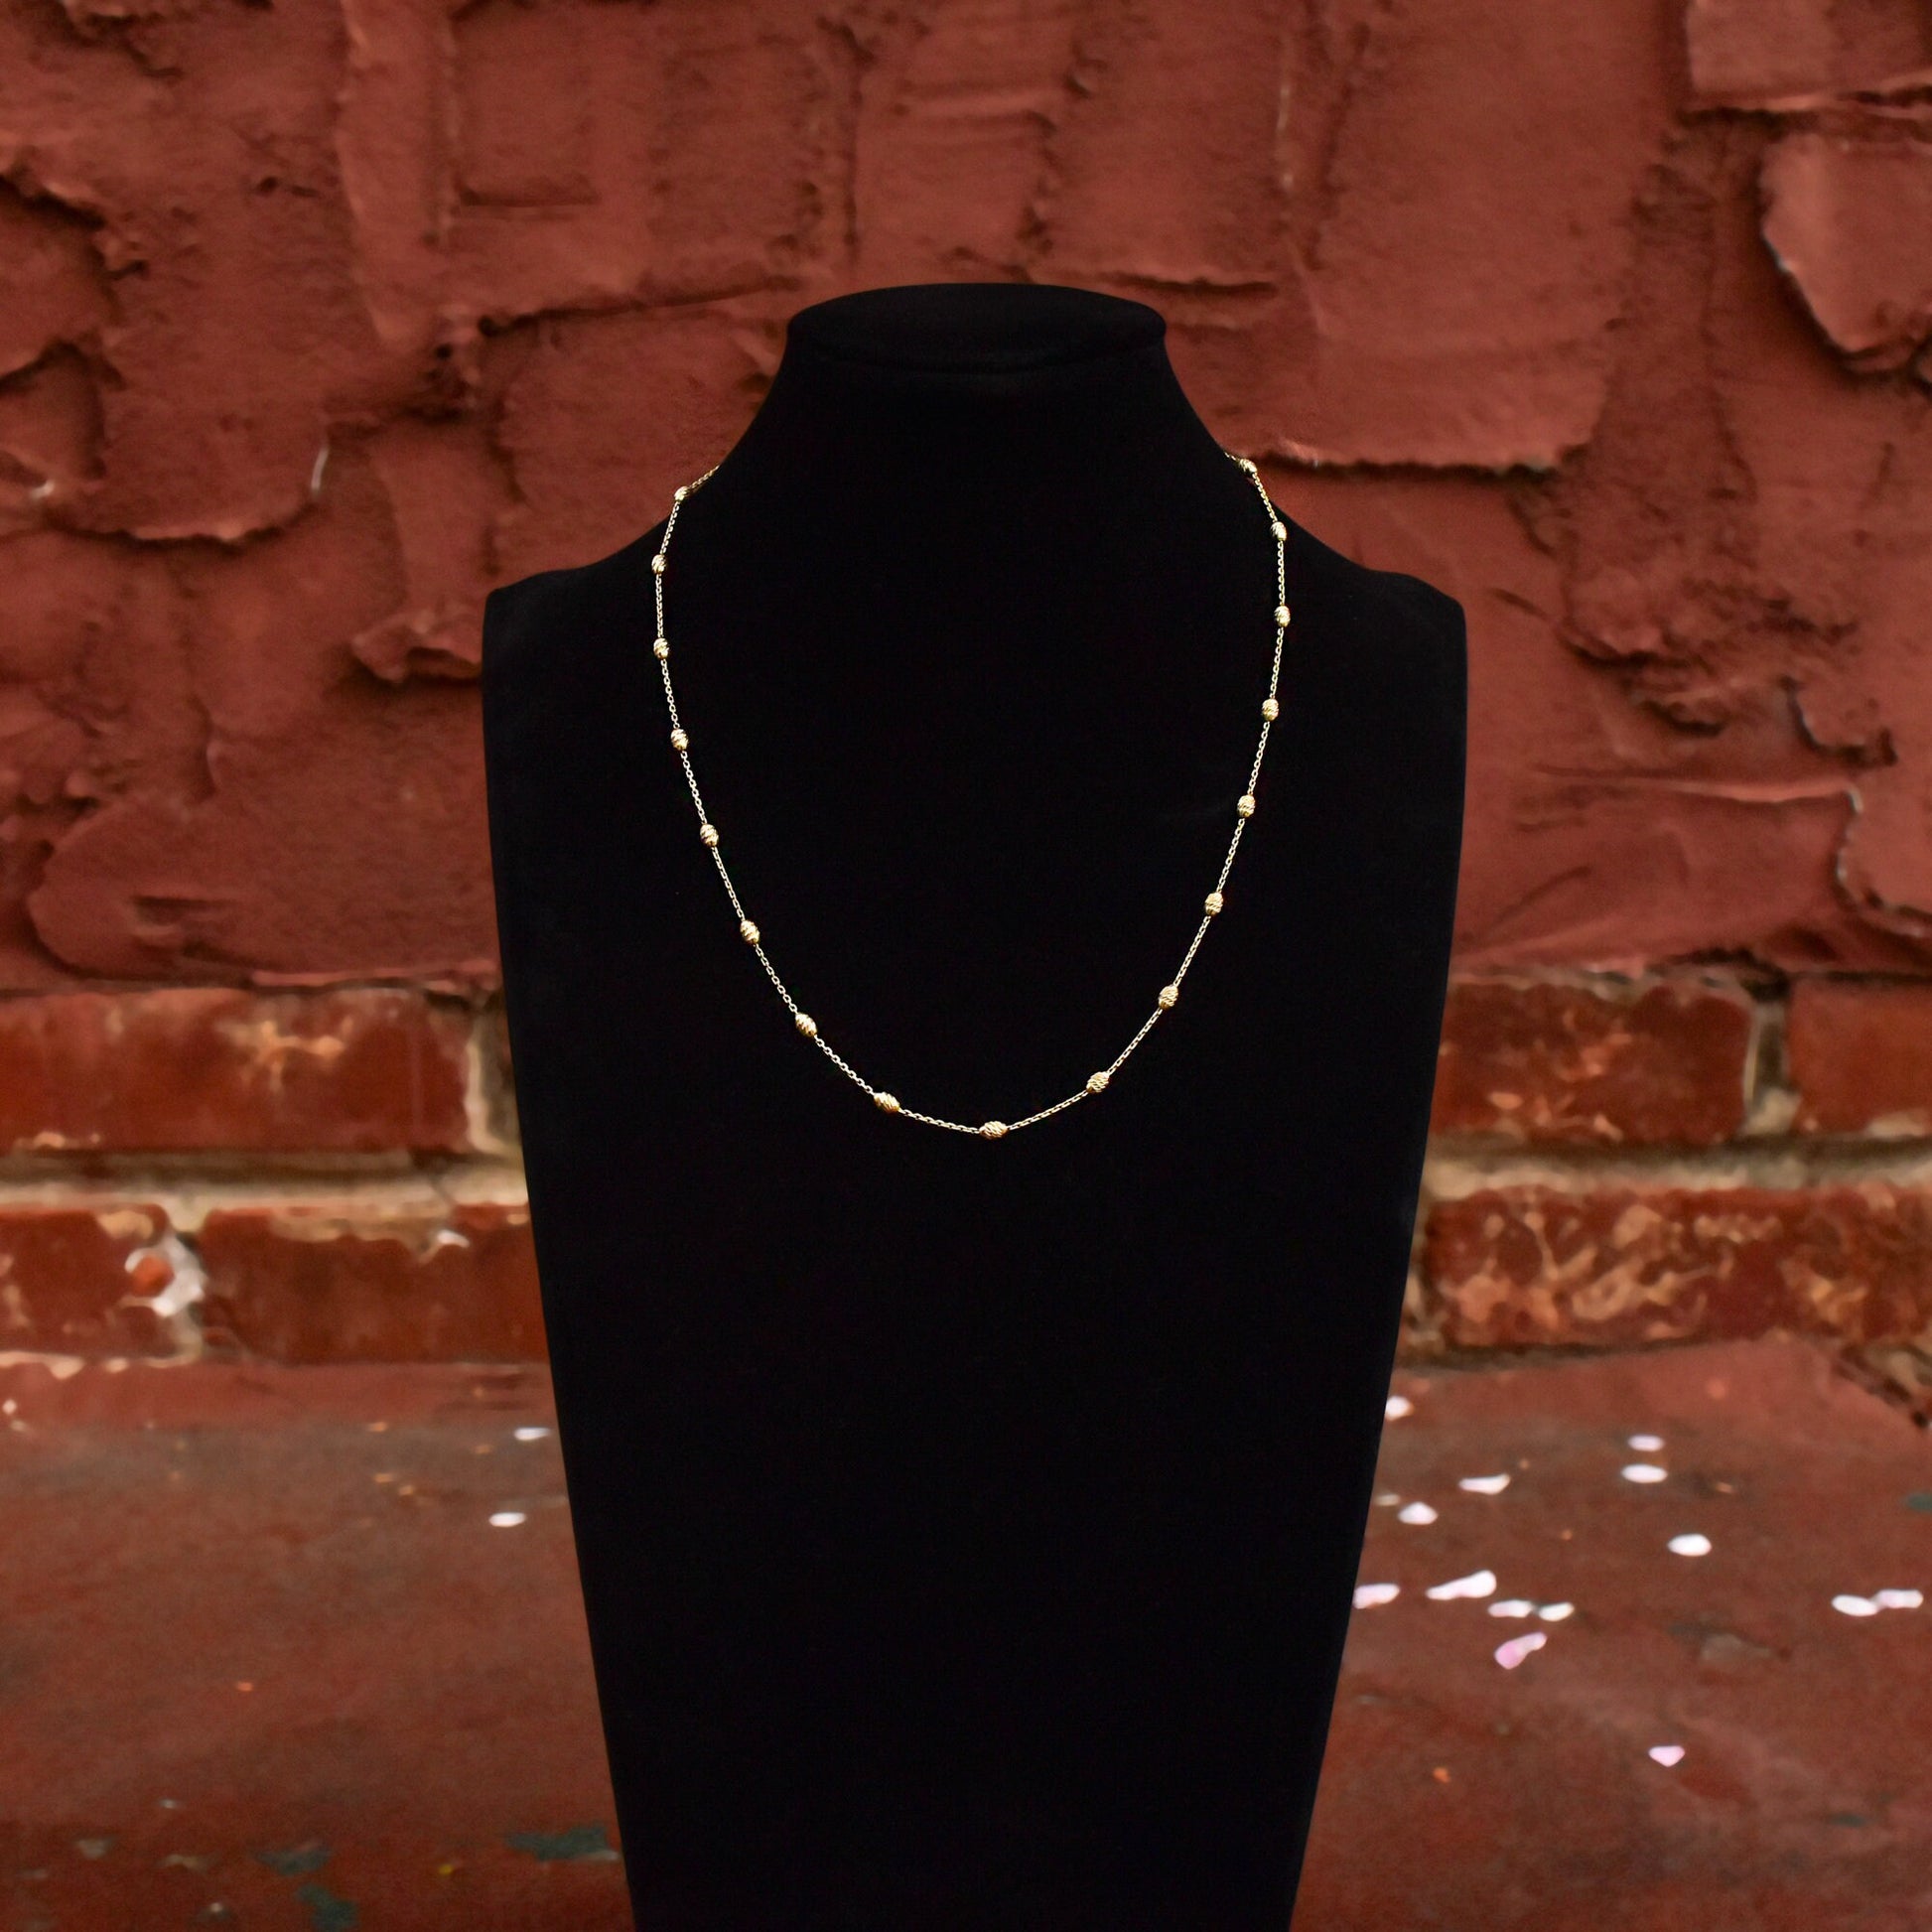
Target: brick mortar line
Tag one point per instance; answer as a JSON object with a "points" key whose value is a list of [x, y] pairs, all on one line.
{"points": [[186, 1200], [1458, 1165]]}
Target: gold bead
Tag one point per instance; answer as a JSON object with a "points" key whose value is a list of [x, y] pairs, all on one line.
{"points": [[680, 741], [1168, 995], [680, 492], [1214, 901], [1248, 464], [1280, 616], [708, 833], [662, 648], [1245, 804], [1096, 1083], [657, 564], [1278, 531], [748, 932], [886, 1103], [1270, 710], [993, 1129], [806, 1025]]}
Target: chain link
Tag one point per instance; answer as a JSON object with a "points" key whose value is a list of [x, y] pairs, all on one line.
{"points": [[1169, 994]]}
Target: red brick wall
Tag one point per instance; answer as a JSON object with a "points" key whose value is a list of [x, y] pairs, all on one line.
{"points": [[1610, 319]]}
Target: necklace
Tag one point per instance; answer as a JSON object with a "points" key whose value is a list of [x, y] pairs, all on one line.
{"points": [[1096, 1083]]}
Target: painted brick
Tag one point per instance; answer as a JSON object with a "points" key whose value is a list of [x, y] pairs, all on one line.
{"points": [[1663, 1063], [301, 1282], [1516, 1267], [72, 1282], [1495, 308], [195, 1068], [1861, 1056], [1850, 224], [1746, 53]]}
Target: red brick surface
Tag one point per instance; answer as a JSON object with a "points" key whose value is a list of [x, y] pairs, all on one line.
{"points": [[312, 1283], [211, 1067], [1557, 1062], [1861, 1056], [1613, 321], [74, 1280], [1513, 1267]]}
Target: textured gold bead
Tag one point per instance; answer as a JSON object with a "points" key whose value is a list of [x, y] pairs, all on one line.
{"points": [[1097, 1082], [662, 648], [680, 492], [1280, 616], [886, 1103], [657, 565], [1214, 901], [1168, 995], [1248, 464], [1245, 804], [1270, 710], [993, 1129], [1278, 531], [708, 833], [680, 741], [748, 932], [806, 1025]]}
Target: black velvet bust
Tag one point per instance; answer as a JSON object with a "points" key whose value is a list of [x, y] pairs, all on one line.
{"points": [[968, 1528]]}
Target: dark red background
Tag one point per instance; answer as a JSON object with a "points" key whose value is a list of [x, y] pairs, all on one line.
{"points": [[1607, 318]]}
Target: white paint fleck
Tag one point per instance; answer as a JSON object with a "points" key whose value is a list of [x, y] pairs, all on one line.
{"points": [[1414, 1513], [1643, 1472], [184, 1288], [507, 1519], [1513, 1606], [1556, 1612], [1479, 1582], [1665, 1754], [532, 1432], [1692, 1545], [1512, 1653], [1484, 1486], [1397, 1407], [1898, 1599], [1369, 1596], [1646, 1445], [58, 1366], [1854, 1605]]}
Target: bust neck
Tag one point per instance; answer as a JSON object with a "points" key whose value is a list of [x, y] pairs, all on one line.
{"points": [[972, 399]]}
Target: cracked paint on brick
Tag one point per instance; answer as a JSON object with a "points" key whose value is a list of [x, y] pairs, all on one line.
{"points": [[1612, 320], [1516, 1266]]}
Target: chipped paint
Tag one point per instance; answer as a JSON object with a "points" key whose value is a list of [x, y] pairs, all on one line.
{"points": [[1614, 1265], [269, 1047], [327, 1911], [180, 1287], [573, 1843]]}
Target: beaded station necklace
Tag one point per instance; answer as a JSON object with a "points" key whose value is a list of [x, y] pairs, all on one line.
{"points": [[1096, 1083]]}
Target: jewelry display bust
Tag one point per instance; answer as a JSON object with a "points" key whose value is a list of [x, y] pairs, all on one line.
{"points": [[968, 1522]]}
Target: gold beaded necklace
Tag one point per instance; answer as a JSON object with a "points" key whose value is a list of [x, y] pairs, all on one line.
{"points": [[991, 1129]]}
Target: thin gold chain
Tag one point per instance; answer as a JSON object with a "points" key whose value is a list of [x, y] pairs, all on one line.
{"points": [[1097, 1082]]}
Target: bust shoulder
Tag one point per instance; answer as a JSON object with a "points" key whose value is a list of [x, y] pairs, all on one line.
{"points": [[528, 613], [1401, 612]]}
